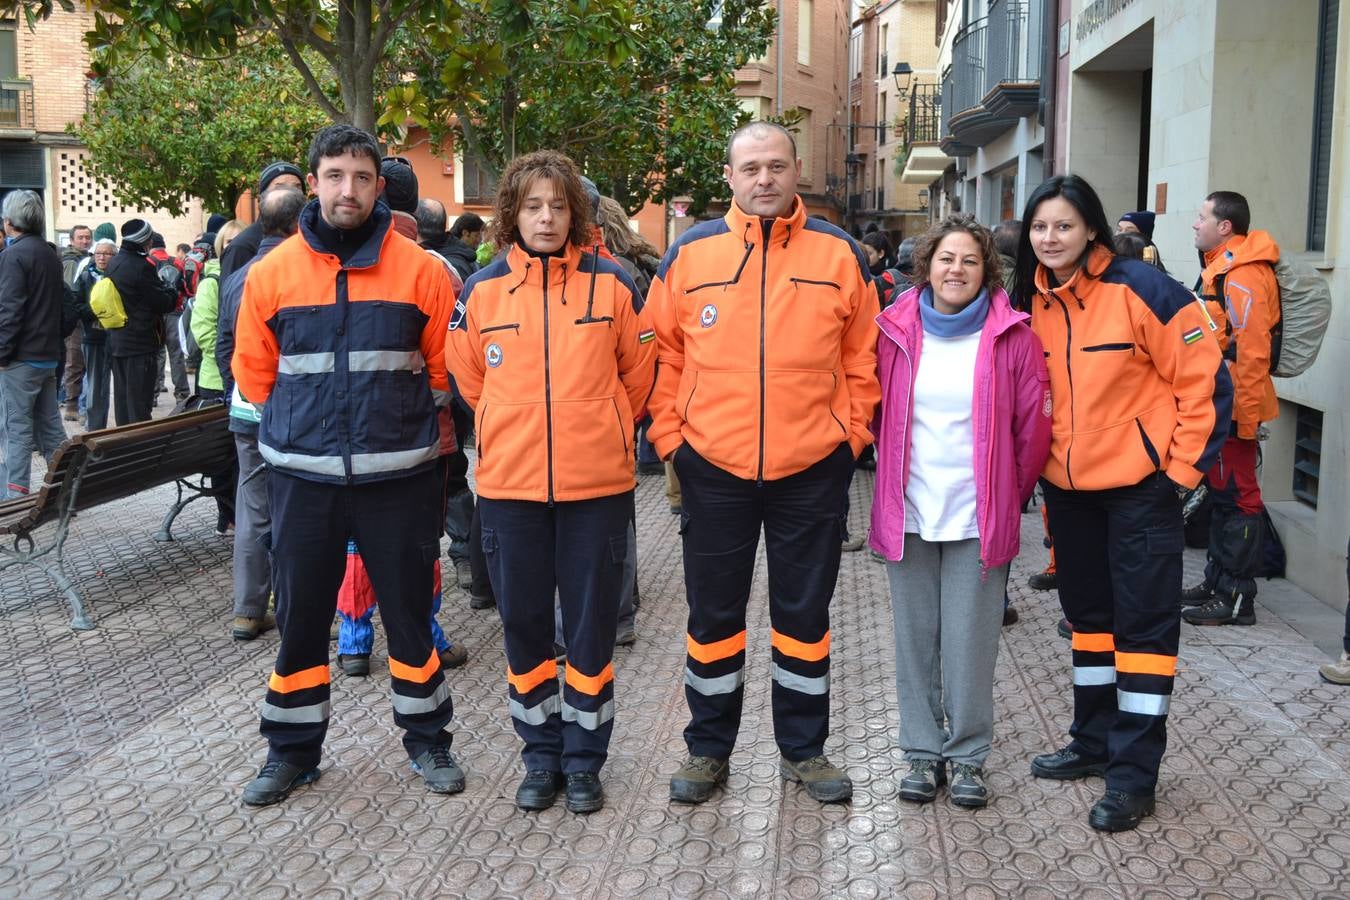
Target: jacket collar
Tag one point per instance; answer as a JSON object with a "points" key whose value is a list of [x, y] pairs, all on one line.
{"points": [[367, 255], [751, 228], [1080, 283], [530, 270], [901, 321]]}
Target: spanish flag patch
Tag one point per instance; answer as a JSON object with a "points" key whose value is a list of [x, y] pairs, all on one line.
{"points": [[1192, 336], [647, 336]]}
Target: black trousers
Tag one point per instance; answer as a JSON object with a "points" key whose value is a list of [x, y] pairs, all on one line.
{"points": [[396, 525], [578, 549], [802, 517], [133, 387], [1118, 554]]}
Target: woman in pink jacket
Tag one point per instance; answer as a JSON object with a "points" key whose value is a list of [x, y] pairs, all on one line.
{"points": [[962, 434]]}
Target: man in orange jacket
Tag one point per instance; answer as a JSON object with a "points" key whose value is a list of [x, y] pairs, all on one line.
{"points": [[766, 331], [1238, 275]]}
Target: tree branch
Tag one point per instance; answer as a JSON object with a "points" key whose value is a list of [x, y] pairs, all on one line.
{"points": [[298, 60]]}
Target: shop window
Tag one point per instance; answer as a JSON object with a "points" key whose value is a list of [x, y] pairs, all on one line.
{"points": [[1307, 454], [1324, 93]]}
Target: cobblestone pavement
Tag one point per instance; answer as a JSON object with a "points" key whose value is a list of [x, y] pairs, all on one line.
{"points": [[125, 749]]}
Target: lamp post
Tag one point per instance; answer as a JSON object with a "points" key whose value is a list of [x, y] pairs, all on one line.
{"points": [[902, 74]]}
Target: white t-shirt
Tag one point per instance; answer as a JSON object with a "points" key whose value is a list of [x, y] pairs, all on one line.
{"points": [[940, 496]]}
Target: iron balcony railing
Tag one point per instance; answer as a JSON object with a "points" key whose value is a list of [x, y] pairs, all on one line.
{"points": [[945, 105], [968, 66], [16, 104], [1013, 43], [925, 102]]}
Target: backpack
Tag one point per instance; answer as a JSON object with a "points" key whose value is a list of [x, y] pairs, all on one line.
{"points": [[1304, 302], [106, 303], [191, 352], [193, 264]]}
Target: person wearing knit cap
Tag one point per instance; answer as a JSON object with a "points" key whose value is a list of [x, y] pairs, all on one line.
{"points": [[1141, 223], [400, 194], [146, 297], [215, 221], [276, 174], [105, 232]]}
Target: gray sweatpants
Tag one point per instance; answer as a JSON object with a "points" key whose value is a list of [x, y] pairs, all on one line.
{"points": [[947, 623], [252, 520]]}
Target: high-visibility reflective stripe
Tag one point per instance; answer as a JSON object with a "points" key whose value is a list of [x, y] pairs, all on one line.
{"points": [[528, 681], [411, 706], [303, 462], [1087, 676], [418, 674], [537, 714], [1143, 704], [588, 720], [298, 681], [1094, 643], [1146, 663], [801, 650], [588, 684], [393, 460], [723, 649], [296, 715], [711, 687], [305, 364], [385, 361], [800, 683]]}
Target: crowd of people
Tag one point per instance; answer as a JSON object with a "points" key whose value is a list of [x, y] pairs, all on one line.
{"points": [[759, 361]]}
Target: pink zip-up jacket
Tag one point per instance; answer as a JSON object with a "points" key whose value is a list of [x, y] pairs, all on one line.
{"points": [[1011, 424]]}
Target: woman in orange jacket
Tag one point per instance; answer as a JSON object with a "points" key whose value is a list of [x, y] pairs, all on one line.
{"points": [[1141, 402], [552, 349]]}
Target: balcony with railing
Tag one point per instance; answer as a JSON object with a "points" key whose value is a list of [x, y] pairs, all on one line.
{"points": [[923, 131], [16, 107], [994, 76]]}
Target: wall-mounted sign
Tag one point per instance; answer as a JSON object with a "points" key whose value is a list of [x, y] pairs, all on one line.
{"points": [[1096, 14]]}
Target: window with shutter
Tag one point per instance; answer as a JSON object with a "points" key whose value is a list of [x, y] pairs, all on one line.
{"points": [[1323, 105]]}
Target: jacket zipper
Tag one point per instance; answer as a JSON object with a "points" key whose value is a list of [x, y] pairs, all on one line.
{"points": [[991, 404], [763, 328], [515, 325], [835, 377], [627, 444], [548, 388], [1068, 368], [813, 281], [749, 247]]}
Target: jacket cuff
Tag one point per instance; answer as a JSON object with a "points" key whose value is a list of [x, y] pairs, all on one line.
{"points": [[1247, 430], [667, 445], [856, 443], [1186, 476]]}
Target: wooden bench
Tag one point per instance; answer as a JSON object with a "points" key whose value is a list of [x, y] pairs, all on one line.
{"points": [[101, 466]]}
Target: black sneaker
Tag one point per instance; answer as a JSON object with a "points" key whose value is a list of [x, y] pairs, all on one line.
{"points": [[584, 793], [1064, 629], [1197, 595], [1066, 765], [355, 665], [276, 780], [967, 788], [481, 601], [539, 789], [1044, 581], [1219, 611], [695, 781], [925, 776], [440, 770], [1119, 811]]}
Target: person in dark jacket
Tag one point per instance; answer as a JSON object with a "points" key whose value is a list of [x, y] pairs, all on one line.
{"points": [[147, 295], [94, 343], [31, 291], [462, 248], [276, 174]]}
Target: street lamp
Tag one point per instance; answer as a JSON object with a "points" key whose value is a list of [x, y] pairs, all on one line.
{"points": [[903, 73]]}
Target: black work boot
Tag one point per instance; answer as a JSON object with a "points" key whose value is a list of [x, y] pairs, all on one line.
{"points": [[1066, 765], [1222, 611], [539, 789], [1197, 595], [276, 780], [440, 770], [584, 793], [1119, 811]]}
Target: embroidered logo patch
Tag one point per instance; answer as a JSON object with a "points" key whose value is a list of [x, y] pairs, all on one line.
{"points": [[708, 316], [1192, 336], [494, 355], [647, 336], [1047, 408]]}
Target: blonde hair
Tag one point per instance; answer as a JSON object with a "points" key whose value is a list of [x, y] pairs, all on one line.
{"points": [[228, 232], [620, 238]]}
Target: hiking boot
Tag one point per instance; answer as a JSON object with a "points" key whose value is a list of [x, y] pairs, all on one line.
{"points": [[438, 767], [539, 789], [1044, 581], [246, 628], [276, 780], [1337, 672], [1119, 811], [925, 776], [584, 793], [1066, 765], [696, 779], [1064, 629], [481, 601], [967, 788], [822, 780], [453, 657], [463, 574], [1219, 611], [357, 665], [1196, 595]]}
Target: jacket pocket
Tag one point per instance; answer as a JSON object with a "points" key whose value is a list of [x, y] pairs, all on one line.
{"points": [[479, 427], [1148, 445], [591, 448], [397, 326], [1106, 348], [624, 438], [492, 328]]}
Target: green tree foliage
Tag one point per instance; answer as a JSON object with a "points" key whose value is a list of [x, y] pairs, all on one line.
{"points": [[162, 133]]}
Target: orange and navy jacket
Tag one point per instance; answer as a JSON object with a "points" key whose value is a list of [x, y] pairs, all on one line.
{"points": [[1137, 378], [767, 344], [1251, 299], [350, 360], [555, 355]]}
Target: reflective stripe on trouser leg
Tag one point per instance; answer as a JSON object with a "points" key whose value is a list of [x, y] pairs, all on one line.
{"points": [[536, 714]]}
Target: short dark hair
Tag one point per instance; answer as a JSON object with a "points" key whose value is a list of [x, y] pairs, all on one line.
{"points": [[759, 128], [521, 172], [1232, 207], [466, 222], [430, 217], [186, 248], [279, 211], [75, 228], [1006, 234], [962, 223], [1127, 243], [878, 241], [342, 139]]}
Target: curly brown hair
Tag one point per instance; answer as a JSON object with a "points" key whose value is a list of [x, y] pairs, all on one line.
{"points": [[929, 240], [515, 182]]}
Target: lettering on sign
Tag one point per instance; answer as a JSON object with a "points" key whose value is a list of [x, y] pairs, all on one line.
{"points": [[1096, 14]]}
